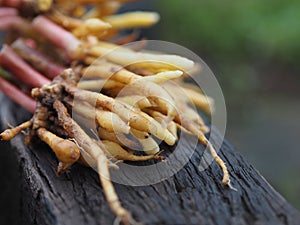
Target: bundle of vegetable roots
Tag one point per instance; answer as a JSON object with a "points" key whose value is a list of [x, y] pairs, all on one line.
{"points": [[51, 46]]}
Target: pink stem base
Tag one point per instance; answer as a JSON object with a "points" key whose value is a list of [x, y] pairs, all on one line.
{"points": [[41, 62], [20, 69], [6, 11], [57, 35], [17, 96]]}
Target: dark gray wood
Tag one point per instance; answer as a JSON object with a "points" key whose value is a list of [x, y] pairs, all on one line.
{"points": [[188, 197]]}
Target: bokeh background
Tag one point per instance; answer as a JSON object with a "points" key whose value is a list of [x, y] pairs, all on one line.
{"points": [[253, 47]]}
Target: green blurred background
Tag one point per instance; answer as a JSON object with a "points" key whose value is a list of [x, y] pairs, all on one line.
{"points": [[253, 47]]}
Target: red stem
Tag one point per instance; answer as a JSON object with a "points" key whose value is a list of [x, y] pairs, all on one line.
{"points": [[17, 96], [20, 69], [57, 35], [11, 3], [37, 59], [13, 22], [6, 11], [9, 23]]}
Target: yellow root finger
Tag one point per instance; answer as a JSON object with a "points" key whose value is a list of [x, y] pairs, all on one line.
{"points": [[138, 101], [111, 122], [139, 71], [156, 95], [92, 26], [119, 153], [190, 96], [9, 134], [118, 138], [172, 127], [149, 145], [163, 76], [135, 118], [162, 119], [108, 120], [149, 61], [44, 5], [132, 20], [97, 85], [141, 85], [201, 101], [66, 151]]}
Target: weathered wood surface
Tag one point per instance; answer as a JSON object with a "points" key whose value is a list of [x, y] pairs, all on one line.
{"points": [[189, 197]]}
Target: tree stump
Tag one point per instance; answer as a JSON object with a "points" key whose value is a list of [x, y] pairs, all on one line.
{"points": [[189, 197]]}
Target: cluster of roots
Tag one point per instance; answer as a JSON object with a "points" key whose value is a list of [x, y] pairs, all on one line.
{"points": [[49, 66]]}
